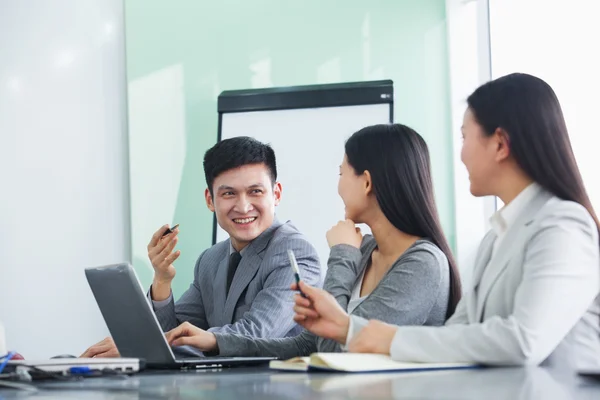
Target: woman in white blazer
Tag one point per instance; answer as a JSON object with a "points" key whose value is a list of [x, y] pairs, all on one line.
{"points": [[536, 282]]}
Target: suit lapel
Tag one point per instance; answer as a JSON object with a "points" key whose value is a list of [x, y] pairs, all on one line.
{"points": [[243, 276], [496, 265], [219, 287], [247, 269], [514, 240], [481, 261]]}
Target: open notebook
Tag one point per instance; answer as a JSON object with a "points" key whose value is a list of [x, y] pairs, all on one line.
{"points": [[356, 362]]}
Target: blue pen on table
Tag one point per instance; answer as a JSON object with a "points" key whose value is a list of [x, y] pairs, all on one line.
{"points": [[80, 370], [294, 264], [6, 358]]}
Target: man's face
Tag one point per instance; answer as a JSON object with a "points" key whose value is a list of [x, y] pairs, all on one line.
{"points": [[244, 201]]}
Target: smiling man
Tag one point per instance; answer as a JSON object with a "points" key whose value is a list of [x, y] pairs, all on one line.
{"points": [[242, 284]]}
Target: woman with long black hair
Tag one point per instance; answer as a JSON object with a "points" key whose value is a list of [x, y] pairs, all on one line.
{"points": [[403, 273], [535, 294]]}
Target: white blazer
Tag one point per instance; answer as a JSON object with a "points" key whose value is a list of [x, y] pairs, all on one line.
{"points": [[539, 300]]}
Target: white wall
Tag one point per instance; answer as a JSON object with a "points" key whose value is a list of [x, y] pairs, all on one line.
{"points": [[558, 41], [2, 340], [469, 56], [63, 165]]}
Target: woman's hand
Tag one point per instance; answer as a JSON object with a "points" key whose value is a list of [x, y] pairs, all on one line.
{"points": [[376, 337], [344, 232], [320, 313]]}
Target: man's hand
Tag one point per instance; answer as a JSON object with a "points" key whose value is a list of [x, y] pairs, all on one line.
{"points": [[104, 349], [187, 334], [162, 256], [344, 232], [376, 337], [320, 313]]}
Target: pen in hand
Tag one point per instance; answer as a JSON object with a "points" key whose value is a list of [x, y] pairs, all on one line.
{"points": [[169, 230], [294, 265]]}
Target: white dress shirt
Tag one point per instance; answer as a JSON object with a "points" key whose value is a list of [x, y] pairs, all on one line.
{"points": [[505, 217]]}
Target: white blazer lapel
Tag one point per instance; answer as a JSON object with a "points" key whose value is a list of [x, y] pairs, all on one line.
{"points": [[496, 265], [482, 259], [513, 243]]}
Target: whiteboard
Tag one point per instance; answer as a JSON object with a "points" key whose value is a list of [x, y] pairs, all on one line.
{"points": [[309, 147]]}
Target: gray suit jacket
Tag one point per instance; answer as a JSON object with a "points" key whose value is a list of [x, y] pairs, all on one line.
{"points": [[414, 291], [260, 302], [536, 303]]}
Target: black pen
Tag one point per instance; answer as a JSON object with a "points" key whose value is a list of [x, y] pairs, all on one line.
{"points": [[169, 230], [294, 265]]}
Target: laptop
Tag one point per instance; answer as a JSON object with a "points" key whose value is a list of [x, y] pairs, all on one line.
{"points": [[81, 365], [133, 326]]}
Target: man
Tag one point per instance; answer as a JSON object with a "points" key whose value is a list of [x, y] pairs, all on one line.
{"points": [[241, 285]]}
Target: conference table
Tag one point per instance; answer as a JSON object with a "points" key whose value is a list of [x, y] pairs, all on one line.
{"points": [[262, 383]]}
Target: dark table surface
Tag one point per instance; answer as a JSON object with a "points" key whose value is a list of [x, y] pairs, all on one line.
{"points": [[261, 383]]}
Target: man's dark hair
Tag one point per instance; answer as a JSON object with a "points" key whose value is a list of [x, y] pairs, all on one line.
{"points": [[236, 152]]}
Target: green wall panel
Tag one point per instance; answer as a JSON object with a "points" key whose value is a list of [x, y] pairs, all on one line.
{"points": [[182, 53]]}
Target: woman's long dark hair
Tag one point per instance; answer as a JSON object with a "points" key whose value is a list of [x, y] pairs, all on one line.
{"points": [[527, 109], [397, 158]]}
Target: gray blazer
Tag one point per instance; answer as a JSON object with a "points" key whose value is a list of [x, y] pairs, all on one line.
{"points": [[536, 303], [260, 302], [414, 291]]}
